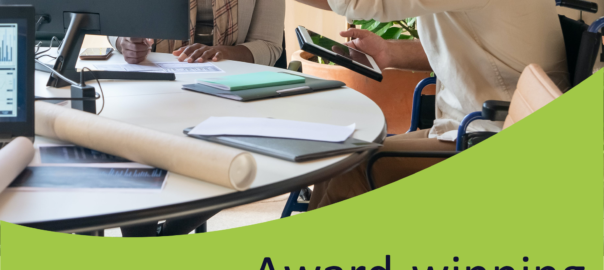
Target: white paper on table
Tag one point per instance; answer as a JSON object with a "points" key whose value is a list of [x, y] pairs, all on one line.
{"points": [[166, 67], [275, 128], [143, 67], [181, 67]]}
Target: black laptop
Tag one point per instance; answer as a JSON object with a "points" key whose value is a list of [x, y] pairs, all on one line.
{"points": [[17, 34]]}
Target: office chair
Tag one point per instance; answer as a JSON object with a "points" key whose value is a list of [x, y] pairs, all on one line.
{"points": [[581, 43], [534, 90], [282, 61]]}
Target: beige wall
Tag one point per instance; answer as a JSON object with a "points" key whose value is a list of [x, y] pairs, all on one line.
{"points": [[326, 23]]}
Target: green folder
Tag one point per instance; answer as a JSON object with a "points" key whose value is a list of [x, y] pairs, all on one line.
{"points": [[251, 81]]}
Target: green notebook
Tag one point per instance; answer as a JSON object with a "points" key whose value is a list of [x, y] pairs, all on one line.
{"points": [[251, 81]]}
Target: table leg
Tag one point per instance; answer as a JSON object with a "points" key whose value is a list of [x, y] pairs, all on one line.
{"points": [[93, 233], [203, 228]]}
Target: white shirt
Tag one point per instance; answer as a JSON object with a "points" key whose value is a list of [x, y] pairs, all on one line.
{"points": [[477, 49]]}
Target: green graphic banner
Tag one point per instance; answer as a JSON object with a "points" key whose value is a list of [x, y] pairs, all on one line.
{"points": [[530, 198]]}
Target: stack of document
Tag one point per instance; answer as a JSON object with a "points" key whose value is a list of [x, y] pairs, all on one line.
{"points": [[251, 81], [302, 85], [285, 139]]}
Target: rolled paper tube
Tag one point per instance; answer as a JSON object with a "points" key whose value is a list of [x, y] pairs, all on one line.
{"points": [[201, 160], [14, 157]]}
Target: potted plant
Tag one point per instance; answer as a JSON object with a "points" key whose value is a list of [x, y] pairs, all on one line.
{"points": [[394, 95]]}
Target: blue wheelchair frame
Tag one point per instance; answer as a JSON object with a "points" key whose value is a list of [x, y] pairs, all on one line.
{"points": [[417, 99]]}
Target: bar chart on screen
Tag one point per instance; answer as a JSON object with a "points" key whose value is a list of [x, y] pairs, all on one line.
{"points": [[8, 32], [8, 70]]}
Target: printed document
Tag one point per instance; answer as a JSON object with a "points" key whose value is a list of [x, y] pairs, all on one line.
{"points": [[75, 168], [274, 128], [165, 67]]}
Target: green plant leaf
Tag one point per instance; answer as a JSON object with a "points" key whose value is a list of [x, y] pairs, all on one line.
{"points": [[411, 22], [370, 25], [392, 33], [414, 33], [403, 36], [320, 60], [360, 22], [382, 28]]}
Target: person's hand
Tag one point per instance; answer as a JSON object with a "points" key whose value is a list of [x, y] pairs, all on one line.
{"points": [[200, 53], [369, 43], [135, 50]]}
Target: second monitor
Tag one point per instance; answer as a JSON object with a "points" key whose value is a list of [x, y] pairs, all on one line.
{"points": [[157, 19]]}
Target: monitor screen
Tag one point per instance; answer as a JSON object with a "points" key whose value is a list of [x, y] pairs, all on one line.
{"points": [[13, 34], [340, 49]]}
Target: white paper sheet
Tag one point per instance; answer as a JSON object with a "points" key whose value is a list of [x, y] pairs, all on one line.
{"points": [[179, 67], [167, 67], [275, 128], [143, 67]]}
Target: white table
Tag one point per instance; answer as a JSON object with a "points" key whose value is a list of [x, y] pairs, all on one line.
{"points": [[165, 107]]}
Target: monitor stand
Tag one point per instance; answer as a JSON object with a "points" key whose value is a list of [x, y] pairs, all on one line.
{"points": [[80, 25]]}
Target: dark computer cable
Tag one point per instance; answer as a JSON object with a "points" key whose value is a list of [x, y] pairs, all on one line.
{"points": [[44, 53], [98, 82], [41, 21], [73, 83]]}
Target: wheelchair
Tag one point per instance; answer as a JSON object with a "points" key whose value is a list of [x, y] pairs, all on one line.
{"points": [[582, 45]]}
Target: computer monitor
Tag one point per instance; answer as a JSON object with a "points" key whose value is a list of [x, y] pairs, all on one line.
{"points": [[16, 72], [158, 19]]}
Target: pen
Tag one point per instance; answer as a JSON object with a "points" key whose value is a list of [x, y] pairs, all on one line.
{"points": [[295, 91]]}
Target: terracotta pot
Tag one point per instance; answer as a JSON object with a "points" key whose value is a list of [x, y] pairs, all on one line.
{"points": [[394, 95]]}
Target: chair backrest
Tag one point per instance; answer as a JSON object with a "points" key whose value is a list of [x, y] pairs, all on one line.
{"points": [[282, 61], [535, 90], [573, 32], [588, 54]]}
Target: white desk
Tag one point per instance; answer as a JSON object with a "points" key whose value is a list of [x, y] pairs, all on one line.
{"points": [[163, 106]]}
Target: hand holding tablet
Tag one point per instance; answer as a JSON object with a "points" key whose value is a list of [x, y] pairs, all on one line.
{"points": [[338, 53]]}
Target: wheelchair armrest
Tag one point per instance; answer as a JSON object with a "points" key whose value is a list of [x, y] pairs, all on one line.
{"points": [[578, 5], [417, 96], [495, 110], [380, 155], [295, 66]]}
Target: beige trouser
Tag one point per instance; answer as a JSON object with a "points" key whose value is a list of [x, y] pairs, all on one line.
{"points": [[386, 170]]}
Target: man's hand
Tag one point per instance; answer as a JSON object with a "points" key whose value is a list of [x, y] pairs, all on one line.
{"points": [[369, 43], [135, 50], [201, 53]]}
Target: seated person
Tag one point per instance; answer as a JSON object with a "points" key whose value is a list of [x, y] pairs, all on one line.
{"points": [[477, 48], [247, 31]]}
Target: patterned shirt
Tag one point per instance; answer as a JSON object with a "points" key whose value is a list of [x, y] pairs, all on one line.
{"points": [[205, 23]]}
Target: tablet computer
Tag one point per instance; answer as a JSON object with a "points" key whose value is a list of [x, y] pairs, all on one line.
{"points": [[338, 53]]}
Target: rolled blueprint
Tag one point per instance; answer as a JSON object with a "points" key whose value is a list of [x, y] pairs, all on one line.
{"points": [[201, 160], [14, 157]]}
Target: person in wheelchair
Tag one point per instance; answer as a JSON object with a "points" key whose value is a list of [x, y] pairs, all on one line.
{"points": [[477, 48]]}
